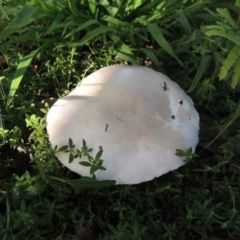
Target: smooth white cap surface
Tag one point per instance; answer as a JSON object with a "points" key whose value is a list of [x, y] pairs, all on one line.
{"points": [[137, 115]]}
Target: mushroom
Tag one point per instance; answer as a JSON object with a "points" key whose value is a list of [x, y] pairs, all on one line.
{"points": [[138, 116]]}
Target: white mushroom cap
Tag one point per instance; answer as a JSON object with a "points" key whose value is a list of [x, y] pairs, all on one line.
{"points": [[137, 115]]}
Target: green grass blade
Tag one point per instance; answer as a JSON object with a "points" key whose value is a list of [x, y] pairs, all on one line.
{"points": [[153, 58], [21, 20], [112, 9], [126, 53], [135, 4], [184, 22], [81, 27], [92, 34], [188, 11], [45, 6], [21, 69], [201, 69], [57, 23], [127, 57], [114, 21], [71, 5], [160, 39]]}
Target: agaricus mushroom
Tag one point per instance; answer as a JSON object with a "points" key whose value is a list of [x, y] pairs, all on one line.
{"points": [[137, 116]]}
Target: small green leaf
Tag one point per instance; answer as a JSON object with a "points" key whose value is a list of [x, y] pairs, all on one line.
{"points": [[160, 190], [59, 214], [89, 150], [98, 155], [86, 164], [101, 168], [79, 154], [84, 143], [90, 158], [22, 19], [70, 143], [180, 152], [111, 227], [70, 157], [93, 169], [62, 149], [35, 189]]}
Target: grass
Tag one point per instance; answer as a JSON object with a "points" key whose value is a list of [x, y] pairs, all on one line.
{"points": [[47, 47]]}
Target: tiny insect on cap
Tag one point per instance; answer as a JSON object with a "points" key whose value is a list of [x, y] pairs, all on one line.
{"points": [[138, 116]]}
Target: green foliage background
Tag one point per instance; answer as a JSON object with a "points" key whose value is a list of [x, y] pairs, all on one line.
{"points": [[47, 47]]}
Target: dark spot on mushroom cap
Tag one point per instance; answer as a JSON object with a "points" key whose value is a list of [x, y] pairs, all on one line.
{"points": [[106, 127], [181, 102], [173, 117], [165, 86]]}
